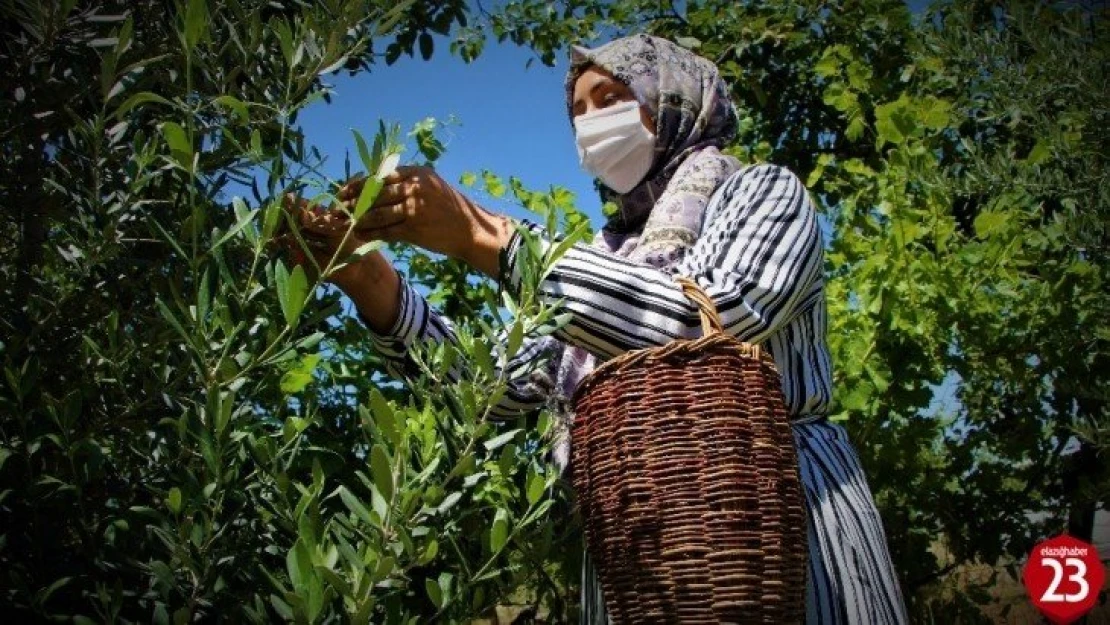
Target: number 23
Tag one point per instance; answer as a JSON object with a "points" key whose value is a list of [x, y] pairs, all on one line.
{"points": [[1079, 577]]}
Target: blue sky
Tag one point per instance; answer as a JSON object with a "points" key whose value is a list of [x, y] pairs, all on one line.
{"points": [[510, 120]]}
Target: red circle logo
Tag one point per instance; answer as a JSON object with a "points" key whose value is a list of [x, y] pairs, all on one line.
{"points": [[1063, 578]]}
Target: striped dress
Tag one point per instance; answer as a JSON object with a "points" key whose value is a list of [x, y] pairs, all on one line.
{"points": [[759, 257]]}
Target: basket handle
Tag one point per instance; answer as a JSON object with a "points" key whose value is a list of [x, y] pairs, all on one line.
{"points": [[710, 320]]}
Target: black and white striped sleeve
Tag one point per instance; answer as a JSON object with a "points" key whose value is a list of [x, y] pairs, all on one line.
{"points": [[758, 257], [531, 370]]}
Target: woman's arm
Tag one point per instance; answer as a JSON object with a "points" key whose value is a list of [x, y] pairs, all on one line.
{"points": [[530, 372], [759, 258], [398, 316]]}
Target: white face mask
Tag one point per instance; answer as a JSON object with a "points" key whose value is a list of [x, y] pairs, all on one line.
{"points": [[614, 145]]}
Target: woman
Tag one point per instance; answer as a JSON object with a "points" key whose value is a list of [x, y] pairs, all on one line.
{"points": [[649, 119]]}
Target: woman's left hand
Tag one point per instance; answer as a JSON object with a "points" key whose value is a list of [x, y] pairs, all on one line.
{"points": [[417, 206]]}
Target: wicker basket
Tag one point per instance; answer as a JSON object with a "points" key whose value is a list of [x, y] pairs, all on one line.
{"points": [[686, 477]]}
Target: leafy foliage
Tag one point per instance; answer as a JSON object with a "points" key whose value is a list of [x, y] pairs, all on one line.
{"points": [[189, 430]]}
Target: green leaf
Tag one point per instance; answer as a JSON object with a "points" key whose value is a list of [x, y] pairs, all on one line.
{"points": [[381, 470], [482, 358], [137, 99], [689, 43], [296, 288], [172, 319], [1040, 152], [378, 503], [445, 580], [294, 382], [535, 486], [178, 142], [828, 66], [494, 185], [237, 228], [365, 249], [500, 440], [894, 122], [935, 113], [338, 583], [298, 564], [434, 592], [384, 417], [468, 179], [204, 290], [363, 152], [44, 595], [856, 126], [516, 338], [339, 63], [355, 506], [236, 105], [173, 500], [448, 502], [371, 187], [196, 22], [858, 398], [987, 222], [281, 283], [430, 551], [271, 218], [499, 533], [388, 165]]}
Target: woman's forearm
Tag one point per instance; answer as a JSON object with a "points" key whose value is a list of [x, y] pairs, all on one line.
{"points": [[375, 290]]}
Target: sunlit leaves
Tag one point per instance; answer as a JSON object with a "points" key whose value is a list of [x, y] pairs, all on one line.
{"points": [[494, 185], [426, 141], [298, 377]]}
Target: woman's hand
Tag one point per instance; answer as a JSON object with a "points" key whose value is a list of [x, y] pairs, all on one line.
{"points": [[417, 206], [370, 281], [323, 232]]}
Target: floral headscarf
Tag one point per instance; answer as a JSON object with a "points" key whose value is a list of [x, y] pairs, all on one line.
{"points": [[662, 217], [685, 96]]}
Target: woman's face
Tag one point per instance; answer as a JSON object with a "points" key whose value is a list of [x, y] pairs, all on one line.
{"points": [[597, 89]]}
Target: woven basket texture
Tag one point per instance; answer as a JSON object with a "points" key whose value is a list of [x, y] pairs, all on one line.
{"points": [[686, 478]]}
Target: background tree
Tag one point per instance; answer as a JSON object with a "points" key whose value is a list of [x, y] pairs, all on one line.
{"points": [[187, 428]]}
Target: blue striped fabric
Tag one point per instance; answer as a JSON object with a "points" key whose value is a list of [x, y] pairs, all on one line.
{"points": [[759, 257]]}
